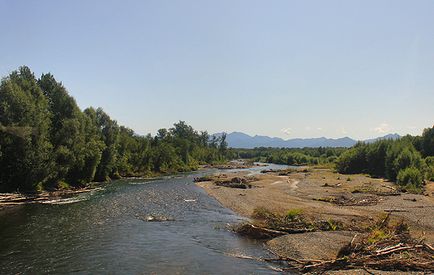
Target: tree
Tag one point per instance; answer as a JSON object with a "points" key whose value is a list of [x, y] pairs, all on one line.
{"points": [[46, 141], [401, 154], [67, 132], [109, 133], [352, 161], [24, 140], [428, 142]]}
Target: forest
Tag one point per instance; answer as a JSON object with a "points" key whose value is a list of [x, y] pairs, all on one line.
{"points": [[292, 156], [47, 142], [408, 161]]}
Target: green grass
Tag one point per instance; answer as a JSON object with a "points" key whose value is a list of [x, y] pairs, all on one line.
{"points": [[377, 235], [293, 214]]}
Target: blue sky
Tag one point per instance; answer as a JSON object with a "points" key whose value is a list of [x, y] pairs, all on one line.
{"points": [[280, 68]]}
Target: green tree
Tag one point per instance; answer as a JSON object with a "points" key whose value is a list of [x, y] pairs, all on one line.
{"points": [[109, 133], [67, 132], [24, 138], [353, 160], [427, 141]]}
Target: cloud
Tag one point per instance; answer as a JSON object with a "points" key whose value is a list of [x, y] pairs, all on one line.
{"points": [[286, 131], [319, 129], [383, 128], [343, 131]]}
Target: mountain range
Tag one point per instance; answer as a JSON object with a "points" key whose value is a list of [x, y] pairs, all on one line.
{"points": [[242, 140]]}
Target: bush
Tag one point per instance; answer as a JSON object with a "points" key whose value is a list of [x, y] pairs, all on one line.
{"points": [[430, 173], [400, 156], [352, 161], [410, 178], [429, 161]]}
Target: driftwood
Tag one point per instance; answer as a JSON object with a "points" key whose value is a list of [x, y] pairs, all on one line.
{"points": [[375, 261], [398, 252], [395, 210], [259, 232]]}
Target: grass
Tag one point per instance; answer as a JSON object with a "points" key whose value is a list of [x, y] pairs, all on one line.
{"points": [[333, 225], [273, 220], [377, 235], [293, 214]]}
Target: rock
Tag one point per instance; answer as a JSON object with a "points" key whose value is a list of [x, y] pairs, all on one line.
{"points": [[152, 218], [311, 245]]}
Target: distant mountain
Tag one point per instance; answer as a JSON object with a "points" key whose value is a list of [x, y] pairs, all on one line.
{"points": [[389, 136], [242, 140]]}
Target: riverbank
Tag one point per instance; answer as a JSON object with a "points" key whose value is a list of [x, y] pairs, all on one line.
{"points": [[349, 203], [61, 196], [52, 197]]}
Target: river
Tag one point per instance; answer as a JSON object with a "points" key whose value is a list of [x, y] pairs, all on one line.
{"points": [[106, 232]]}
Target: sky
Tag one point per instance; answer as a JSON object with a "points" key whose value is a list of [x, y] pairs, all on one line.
{"points": [[279, 68]]}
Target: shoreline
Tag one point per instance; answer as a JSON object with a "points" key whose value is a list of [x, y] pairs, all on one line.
{"points": [[353, 201], [12, 199]]}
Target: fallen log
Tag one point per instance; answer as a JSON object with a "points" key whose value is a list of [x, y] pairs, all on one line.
{"points": [[395, 210]]}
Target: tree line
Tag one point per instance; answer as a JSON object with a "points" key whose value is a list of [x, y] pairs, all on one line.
{"points": [[292, 156], [47, 142], [409, 161]]}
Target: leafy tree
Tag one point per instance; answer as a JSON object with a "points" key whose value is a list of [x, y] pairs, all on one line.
{"points": [[376, 157], [67, 132], [24, 137], [427, 142], [401, 155], [109, 133], [353, 161]]}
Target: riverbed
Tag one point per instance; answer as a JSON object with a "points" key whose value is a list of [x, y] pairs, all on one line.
{"points": [[107, 231]]}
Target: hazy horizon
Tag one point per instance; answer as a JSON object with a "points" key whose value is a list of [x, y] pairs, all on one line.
{"points": [[288, 69]]}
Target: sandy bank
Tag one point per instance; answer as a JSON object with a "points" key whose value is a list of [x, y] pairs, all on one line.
{"points": [[356, 201]]}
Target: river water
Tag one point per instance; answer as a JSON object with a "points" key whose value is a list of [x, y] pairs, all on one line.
{"points": [[106, 232]]}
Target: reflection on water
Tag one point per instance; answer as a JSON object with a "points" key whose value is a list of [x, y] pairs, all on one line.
{"points": [[107, 232]]}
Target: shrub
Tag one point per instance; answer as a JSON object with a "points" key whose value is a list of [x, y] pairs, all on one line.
{"points": [[400, 156], [410, 178], [429, 161]]}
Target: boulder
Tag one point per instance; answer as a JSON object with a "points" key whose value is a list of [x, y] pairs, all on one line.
{"points": [[311, 245]]}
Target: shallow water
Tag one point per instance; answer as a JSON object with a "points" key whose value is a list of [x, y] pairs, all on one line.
{"points": [[106, 232]]}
